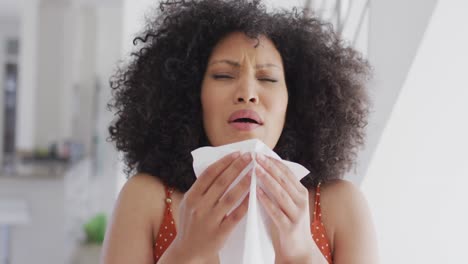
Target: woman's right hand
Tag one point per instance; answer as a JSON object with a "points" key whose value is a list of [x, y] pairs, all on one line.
{"points": [[204, 223]]}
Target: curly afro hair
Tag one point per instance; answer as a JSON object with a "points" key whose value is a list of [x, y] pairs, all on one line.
{"points": [[156, 94]]}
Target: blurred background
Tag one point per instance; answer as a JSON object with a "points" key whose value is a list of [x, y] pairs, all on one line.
{"points": [[59, 178]]}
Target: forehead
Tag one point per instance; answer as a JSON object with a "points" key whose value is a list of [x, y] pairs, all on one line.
{"points": [[237, 46]]}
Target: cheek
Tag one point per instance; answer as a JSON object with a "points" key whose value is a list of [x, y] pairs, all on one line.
{"points": [[205, 96], [279, 105], [209, 105]]}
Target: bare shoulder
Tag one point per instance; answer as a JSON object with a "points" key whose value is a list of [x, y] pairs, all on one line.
{"points": [[346, 211], [336, 198], [129, 236], [145, 193], [143, 185], [339, 191]]}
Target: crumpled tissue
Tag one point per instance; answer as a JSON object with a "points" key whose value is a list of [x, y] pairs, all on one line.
{"points": [[250, 241]]}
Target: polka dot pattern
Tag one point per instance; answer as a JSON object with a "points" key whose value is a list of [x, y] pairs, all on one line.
{"points": [[318, 229], [167, 230]]}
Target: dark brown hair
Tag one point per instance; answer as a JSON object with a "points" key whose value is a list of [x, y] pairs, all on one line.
{"points": [[157, 93]]}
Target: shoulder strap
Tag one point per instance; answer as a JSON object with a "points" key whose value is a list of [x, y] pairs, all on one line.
{"points": [[169, 191], [317, 210]]}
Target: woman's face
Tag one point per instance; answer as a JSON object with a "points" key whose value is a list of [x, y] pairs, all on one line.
{"points": [[244, 93]]}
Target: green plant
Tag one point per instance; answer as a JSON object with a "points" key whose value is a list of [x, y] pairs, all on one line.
{"points": [[95, 229]]}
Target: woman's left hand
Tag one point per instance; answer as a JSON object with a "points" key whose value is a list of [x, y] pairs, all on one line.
{"points": [[287, 204]]}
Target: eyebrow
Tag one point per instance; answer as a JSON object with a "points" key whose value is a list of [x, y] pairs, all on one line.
{"points": [[237, 65]]}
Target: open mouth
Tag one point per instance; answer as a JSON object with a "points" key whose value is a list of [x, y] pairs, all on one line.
{"points": [[246, 120], [245, 116]]}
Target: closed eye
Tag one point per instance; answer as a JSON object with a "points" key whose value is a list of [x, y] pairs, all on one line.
{"points": [[222, 76], [268, 80]]}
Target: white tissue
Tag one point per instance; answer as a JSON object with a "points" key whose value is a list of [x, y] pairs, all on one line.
{"points": [[250, 242]]}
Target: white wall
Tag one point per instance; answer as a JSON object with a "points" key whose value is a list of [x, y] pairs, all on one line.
{"points": [[109, 28], [50, 73], [416, 182], [395, 31], [27, 75], [97, 49], [71, 59], [57, 74], [284, 4], [134, 13], [10, 9], [85, 84]]}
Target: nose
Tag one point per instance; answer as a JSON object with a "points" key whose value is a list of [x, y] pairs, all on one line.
{"points": [[246, 93], [252, 99]]}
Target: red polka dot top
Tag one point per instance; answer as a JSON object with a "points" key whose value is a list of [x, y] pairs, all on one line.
{"points": [[167, 230]]}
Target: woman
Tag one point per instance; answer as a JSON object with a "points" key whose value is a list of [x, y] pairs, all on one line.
{"points": [[213, 72]]}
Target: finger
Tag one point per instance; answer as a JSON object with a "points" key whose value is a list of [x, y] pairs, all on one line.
{"points": [[203, 182], [283, 178], [230, 221], [229, 200], [222, 183], [277, 193], [301, 192], [276, 214], [289, 174]]}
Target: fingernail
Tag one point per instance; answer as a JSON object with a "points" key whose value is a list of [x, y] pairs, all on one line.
{"points": [[246, 156], [235, 155]]}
